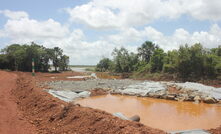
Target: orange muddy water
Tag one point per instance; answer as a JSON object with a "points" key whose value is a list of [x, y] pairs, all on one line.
{"points": [[158, 113]]}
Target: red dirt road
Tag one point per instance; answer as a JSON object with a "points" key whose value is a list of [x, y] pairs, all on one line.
{"points": [[11, 119]]}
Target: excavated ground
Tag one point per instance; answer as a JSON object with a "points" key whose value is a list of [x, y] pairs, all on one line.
{"points": [[49, 115], [26, 108]]}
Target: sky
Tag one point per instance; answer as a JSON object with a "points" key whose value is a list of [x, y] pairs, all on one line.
{"points": [[88, 30]]}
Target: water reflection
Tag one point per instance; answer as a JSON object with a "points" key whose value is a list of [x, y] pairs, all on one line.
{"points": [[157, 113]]}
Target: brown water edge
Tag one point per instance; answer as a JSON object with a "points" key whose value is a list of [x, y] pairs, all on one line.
{"points": [[158, 113]]}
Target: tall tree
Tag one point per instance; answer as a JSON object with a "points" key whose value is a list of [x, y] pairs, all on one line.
{"points": [[123, 60], [184, 64], [157, 60], [63, 64], [104, 65], [56, 54], [171, 62], [19, 57], [196, 59], [146, 51]]}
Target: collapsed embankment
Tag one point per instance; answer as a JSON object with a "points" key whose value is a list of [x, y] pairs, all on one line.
{"points": [[52, 116]]}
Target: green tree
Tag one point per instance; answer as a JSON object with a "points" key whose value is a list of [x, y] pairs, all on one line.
{"points": [[196, 60], [191, 61], [56, 54], [157, 60], [211, 65], [146, 51], [170, 62], [216, 51], [4, 64], [19, 57], [63, 64], [15, 54], [104, 65], [184, 64], [40, 56], [123, 60]]}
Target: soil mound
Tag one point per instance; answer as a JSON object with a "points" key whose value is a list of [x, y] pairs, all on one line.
{"points": [[11, 118]]}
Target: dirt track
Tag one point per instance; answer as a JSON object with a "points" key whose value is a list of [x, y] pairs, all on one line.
{"points": [[11, 119]]}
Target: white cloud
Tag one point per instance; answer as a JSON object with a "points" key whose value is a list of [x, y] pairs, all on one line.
{"points": [[93, 16], [126, 36], [2, 33], [82, 52], [51, 33], [102, 14], [14, 15], [208, 39], [204, 9], [24, 28]]}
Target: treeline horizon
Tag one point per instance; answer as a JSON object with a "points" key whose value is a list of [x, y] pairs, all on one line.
{"points": [[186, 62], [18, 57]]}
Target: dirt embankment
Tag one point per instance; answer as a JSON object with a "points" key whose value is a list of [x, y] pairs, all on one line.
{"points": [[52, 116], [215, 131], [11, 118]]}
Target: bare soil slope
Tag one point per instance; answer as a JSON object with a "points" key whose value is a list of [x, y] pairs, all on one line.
{"points": [[11, 119]]}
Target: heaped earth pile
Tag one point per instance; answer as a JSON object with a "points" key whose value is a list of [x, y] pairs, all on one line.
{"points": [[12, 120], [52, 116]]}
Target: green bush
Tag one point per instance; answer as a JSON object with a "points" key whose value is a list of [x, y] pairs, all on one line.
{"points": [[144, 69], [218, 68], [168, 68]]}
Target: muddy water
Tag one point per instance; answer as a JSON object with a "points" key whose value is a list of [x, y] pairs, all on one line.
{"points": [[158, 113]]}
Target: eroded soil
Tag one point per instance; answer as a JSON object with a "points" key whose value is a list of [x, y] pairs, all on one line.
{"points": [[48, 115], [12, 120], [27, 109]]}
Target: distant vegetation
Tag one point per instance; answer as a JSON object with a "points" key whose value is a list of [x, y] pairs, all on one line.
{"points": [[19, 57], [82, 66], [186, 62]]}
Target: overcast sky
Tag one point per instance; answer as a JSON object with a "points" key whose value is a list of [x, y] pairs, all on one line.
{"points": [[89, 30]]}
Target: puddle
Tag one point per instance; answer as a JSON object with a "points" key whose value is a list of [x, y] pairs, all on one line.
{"points": [[158, 113]]}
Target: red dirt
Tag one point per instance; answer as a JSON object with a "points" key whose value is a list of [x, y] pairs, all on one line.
{"points": [[58, 76], [98, 91], [215, 131], [173, 90], [11, 119], [53, 116], [106, 75]]}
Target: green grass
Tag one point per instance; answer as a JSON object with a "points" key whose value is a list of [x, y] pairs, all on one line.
{"points": [[153, 76], [92, 69]]}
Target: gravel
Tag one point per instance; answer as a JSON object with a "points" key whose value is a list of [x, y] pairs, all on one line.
{"points": [[91, 84]]}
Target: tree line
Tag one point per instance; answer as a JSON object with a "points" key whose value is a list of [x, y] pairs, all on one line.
{"points": [[188, 61], [18, 57]]}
